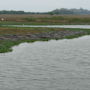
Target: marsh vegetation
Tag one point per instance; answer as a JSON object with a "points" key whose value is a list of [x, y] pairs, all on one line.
{"points": [[11, 36], [45, 19]]}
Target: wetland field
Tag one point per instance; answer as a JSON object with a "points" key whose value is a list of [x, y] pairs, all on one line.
{"points": [[11, 36], [39, 19]]}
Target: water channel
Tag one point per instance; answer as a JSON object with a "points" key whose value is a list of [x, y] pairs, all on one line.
{"points": [[54, 26]]}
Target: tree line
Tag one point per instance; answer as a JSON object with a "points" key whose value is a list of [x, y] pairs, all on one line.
{"points": [[80, 11], [70, 11]]}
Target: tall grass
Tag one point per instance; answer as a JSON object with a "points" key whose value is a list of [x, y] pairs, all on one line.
{"points": [[45, 19]]}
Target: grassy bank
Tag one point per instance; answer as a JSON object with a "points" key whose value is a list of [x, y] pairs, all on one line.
{"points": [[6, 44]]}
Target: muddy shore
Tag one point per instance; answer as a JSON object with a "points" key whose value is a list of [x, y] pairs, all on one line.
{"points": [[44, 35]]}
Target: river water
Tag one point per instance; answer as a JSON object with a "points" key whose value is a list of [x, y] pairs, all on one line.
{"points": [[53, 65], [54, 26]]}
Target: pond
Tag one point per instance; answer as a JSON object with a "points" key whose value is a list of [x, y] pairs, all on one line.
{"points": [[53, 65]]}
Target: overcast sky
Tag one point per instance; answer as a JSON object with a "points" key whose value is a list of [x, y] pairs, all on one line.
{"points": [[42, 5]]}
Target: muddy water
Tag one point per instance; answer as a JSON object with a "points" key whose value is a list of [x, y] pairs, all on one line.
{"points": [[52, 65]]}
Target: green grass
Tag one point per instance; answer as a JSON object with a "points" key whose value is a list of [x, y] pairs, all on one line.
{"points": [[5, 45], [29, 23]]}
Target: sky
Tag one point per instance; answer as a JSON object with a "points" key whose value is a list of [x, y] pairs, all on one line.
{"points": [[42, 5]]}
